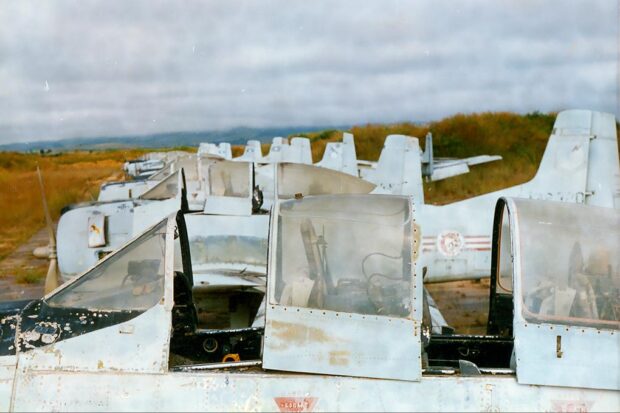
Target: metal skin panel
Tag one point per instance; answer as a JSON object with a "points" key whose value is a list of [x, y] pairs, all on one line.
{"points": [[231, 391], [7, 376], [327, 342], [117, 191], [74, 255], [538, 363], [138, 345]]}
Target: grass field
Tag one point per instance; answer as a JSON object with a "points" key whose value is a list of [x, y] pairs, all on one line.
{"points": [[519, 139], [68, 177]]}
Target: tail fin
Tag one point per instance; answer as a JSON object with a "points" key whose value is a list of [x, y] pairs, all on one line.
{"points": [[275, 150], [399, 169], [340, 156], [299, 151], [427, 156], [252, 152], [222, 150], [580, 162]]}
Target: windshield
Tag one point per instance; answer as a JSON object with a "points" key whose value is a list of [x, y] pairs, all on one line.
{"points": [[166, 189], [189, 163], [229, 251], [345, 253], [164, 172], [570, 266], [226, 178], [132, 279]]}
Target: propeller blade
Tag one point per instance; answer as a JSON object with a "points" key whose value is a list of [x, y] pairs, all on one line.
{"points": [[52, 279], [46, 211]]}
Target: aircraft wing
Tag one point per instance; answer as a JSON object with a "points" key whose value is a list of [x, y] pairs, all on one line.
{"points": [[212, 281]]}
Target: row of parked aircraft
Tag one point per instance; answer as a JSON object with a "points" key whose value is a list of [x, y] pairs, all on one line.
{"points": [[580, 165], [237, 284]]}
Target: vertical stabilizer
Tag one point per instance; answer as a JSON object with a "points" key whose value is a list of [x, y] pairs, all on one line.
{"points": [[580, 162], [399, 170], [340, 156], [252, 152], [427, 156], [275, 150], [299, 151]]}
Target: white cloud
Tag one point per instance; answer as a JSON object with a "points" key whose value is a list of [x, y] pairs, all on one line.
{"points": [[113, 67]]}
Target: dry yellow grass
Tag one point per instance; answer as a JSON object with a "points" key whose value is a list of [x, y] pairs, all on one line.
{"points": [[520, 139], [68, 177]]}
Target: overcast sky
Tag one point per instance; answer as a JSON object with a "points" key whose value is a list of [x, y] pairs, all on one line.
{"points": [[96, 68]]}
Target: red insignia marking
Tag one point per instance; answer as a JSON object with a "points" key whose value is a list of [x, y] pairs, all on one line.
{"points": [[295, 404]]}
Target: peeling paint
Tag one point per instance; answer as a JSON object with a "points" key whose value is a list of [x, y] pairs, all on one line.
{"points": [[339, 358], [299, 334]]}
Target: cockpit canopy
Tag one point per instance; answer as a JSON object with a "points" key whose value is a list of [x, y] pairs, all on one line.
{"points": [[331, 261], [565, 263]]}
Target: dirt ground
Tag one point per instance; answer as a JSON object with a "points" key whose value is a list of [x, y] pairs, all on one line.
{"points": [[20, 262], [464, 304]]}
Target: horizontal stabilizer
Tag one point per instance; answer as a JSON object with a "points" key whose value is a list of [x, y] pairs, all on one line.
{"points": [[448, 168], [476, 160]]}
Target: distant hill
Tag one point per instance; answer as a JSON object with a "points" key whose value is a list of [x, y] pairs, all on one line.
{"points": [[163, 140]]}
